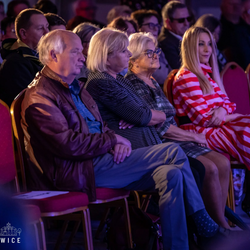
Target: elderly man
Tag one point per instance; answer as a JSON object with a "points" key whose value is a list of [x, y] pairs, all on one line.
{"points": [[21, 63], [176, 20], [70, 148]]}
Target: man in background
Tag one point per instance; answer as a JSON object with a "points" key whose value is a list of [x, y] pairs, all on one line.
{"points": [[176, 20], [21, 61]]}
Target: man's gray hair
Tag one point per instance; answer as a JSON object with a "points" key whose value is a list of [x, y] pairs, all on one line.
{"points": [[83, 30], [51, 41]]}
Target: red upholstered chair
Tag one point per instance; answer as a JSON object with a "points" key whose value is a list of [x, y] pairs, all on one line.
{"points": [[167, 88], [72, 203], [237, 87], [248, 74], [236, 84], [108, 197]]}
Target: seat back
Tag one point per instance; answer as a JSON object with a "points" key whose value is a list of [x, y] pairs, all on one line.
{"points": [[7, 158], [15, 111], [168, 84], [168, 89], [248, 74], [236, 86]]}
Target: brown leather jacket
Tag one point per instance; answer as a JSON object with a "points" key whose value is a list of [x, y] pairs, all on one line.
{"points": [[59, 146]]}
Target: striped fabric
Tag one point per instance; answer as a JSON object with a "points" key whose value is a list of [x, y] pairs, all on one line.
{"points": [[232, 137], [156, 100]]}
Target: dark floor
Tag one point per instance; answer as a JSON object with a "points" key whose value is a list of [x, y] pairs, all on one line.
{"points": [[52, 234]]}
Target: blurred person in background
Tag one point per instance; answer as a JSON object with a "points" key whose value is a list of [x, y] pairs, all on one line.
{"points": [[125, 24], [150, 21], [118, 11], [46, 6], [241, 41], [55, 21], [16, 6], [231, 11], [2, 13], [8, 28], [213, 25], [85, 31], [86, 9]]}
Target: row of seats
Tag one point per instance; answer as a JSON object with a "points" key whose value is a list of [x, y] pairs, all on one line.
{"points": [[72, 206]]}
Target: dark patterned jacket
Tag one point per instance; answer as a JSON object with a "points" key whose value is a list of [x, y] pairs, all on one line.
{"points": [[117, 100]]}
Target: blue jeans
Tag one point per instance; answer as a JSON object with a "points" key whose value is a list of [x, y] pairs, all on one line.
{"points": [[162, 167]]}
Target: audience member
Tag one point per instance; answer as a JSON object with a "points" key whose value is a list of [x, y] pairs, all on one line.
{"points": [[176, 20], [108, 55], [87, 145], [201, 102], [231, 11], [118, 11], [16, 6], [85, 31], [241, 40], [55, 21], [46, 6], [21, 63], [2, 13], [86, 9], [143, 62], [8, 28], [125, 24], [213, 25], [149, 21]]}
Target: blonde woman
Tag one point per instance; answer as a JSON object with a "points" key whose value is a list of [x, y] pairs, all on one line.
{"points": [[201, 102]]}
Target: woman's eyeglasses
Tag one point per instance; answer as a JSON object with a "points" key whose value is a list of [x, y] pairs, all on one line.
{"points": [[182, 20], [150, 53], [152, 26]]}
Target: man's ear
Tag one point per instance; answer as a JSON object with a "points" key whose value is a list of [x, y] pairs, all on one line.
{"points": [[167, 23], [23, 34], [53, 55]]}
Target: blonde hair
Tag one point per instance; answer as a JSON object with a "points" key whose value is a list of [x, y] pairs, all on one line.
{"points": [[190, 58], [104, 43], [137, 44]]}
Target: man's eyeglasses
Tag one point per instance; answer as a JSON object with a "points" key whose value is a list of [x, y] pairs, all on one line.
{"points": [[152, 26], [182, 20], [150, 53]]}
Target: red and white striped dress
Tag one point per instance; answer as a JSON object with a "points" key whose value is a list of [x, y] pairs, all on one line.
{"points": [[232, 137]]}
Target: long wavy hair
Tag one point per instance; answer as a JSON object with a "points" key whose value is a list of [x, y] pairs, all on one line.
{"points": [[190, 58]]}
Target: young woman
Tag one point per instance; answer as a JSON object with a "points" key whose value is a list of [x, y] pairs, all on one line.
{"points": [[201, 102]]}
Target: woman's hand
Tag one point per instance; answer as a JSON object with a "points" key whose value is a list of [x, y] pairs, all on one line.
{"points": [[124, 125], [218, 116], [232, 117]]}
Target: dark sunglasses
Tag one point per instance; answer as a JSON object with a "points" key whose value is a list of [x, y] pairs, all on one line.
{"points": [[182, 20]]}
